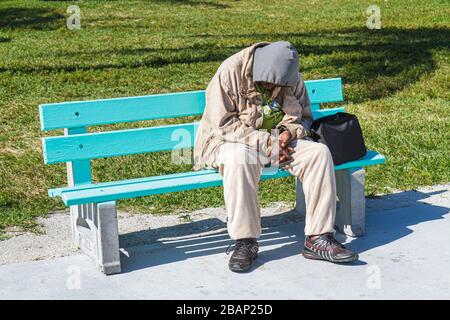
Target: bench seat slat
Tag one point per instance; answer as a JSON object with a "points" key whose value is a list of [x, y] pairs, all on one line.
{"points": [[370, 159], [58, 191], [178, 182]]}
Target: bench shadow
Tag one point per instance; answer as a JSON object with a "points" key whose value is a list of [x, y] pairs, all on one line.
{"points": [[395, 223], [282, 235]]}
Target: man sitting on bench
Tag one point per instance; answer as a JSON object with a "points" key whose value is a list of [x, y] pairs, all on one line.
{"points": [[253, 92]]}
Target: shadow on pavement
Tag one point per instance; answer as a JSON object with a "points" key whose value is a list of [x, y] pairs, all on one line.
{"points": [[282, 235]]}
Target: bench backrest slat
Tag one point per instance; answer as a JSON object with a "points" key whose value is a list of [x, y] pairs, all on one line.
{"points": [[107, 111], [118, 143], [325, 90]]}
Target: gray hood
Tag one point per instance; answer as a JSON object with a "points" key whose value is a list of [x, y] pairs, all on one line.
{"points": [[276, 63]]}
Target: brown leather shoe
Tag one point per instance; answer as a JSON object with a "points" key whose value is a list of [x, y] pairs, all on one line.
{"points": [[245, 252], [326, 247]]}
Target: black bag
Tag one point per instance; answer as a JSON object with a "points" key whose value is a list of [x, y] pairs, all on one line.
{"points": [[342, 134]]}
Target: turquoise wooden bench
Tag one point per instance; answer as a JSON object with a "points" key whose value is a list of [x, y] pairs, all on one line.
{"points": [[93, 205]]}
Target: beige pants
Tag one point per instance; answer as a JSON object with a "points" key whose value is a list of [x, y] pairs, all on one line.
{"points": [[241, 169]]}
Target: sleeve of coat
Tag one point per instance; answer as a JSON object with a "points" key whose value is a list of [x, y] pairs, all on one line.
{"points": [[224, 117], [302, 96], [296, 104]]}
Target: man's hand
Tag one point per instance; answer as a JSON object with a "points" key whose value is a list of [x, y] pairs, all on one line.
{"points": [[285, 151], [284, 138]]}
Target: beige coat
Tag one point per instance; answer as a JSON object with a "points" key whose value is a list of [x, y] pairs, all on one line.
{"points": [[233, 111]]}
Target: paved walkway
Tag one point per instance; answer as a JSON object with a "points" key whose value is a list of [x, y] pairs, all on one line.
{"points": [[404, 255]]}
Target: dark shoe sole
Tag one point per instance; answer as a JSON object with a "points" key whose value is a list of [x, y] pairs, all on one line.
{"points": [[308, 254], [240, 269]]}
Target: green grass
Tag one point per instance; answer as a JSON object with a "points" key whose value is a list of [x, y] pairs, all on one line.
{"points": [[396, 81]]}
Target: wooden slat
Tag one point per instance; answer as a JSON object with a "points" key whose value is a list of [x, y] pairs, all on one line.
{"points": [[117, 143], [325, 90], [150, 188], [315, 106], [326, 112], [370, 159], [56, 192], [139, 190], [78, 172], [107, 111], [172, 183]]}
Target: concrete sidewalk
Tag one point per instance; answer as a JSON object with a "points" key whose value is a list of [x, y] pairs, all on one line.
{"points": [[404, 255]]}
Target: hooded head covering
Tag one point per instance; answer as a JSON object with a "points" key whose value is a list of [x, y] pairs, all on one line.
{"points": [[276, 63]]}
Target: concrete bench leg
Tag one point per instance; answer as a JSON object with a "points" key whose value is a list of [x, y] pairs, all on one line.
{"points": [[95, 232], [351, 206], [350, 215]]}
